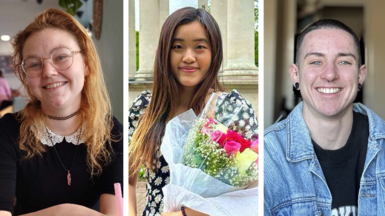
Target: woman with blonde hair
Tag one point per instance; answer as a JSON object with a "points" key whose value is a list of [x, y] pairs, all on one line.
{"points": [[63, 152]]}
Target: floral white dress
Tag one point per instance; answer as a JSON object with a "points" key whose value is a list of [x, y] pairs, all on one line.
{"points": [[246, 124]]}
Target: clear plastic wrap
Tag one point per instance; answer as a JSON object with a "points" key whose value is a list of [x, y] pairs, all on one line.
{"points": [[212, 168]]}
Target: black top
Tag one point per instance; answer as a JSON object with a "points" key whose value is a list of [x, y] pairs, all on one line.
{"points": [[343, 167], [246, 124], [41, 182]]}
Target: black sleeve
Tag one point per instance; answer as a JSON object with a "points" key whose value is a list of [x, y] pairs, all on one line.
{"points": [[113, 173], [136, 111], [9, 130]]}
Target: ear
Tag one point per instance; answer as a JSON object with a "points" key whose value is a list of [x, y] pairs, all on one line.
{"points": [[294, 74], [362, 74]]}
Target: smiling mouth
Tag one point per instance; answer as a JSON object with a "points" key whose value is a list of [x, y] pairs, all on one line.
{"points": [[188, 69], [328, 90], [54, 85]]}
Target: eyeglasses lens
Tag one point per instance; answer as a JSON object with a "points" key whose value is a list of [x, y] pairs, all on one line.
{"points": [[61, 59]]}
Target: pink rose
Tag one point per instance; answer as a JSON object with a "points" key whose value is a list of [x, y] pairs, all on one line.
{"points": [[254, 146], [234, 136], [218, 137], [232, 147]]}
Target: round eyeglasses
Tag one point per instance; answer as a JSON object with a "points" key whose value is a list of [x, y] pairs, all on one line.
{"points": [[61, 58]]}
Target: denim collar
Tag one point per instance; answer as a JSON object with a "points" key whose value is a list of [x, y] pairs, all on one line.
{"points": [[299, 146]]}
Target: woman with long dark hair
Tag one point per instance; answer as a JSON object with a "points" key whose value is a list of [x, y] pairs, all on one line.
{"points": [[187, 63]]}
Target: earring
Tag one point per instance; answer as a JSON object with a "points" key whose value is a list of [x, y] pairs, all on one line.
{"points": [[359, 86], [296, 85]]}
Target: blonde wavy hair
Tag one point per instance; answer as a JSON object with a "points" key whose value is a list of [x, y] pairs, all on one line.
{"points": [[95, 103]]}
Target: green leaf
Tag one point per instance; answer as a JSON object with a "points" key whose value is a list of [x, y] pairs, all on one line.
{"points": [[71, 6]]}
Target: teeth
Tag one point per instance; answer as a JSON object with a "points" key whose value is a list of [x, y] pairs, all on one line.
{"points": [[328, 90], [54, 85]]}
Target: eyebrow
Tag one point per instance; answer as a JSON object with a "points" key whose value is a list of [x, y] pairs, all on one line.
{"points": [[195, 40], [31, 55], [322, 55]]}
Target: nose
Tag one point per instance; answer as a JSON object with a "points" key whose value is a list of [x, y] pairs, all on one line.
{"points": [[189, 57], [330, 73], [48, 69]]}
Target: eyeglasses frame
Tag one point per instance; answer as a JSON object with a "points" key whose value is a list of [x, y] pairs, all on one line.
{"points": [[50, 60]]}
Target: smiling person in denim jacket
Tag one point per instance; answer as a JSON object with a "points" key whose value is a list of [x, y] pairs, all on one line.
{"points": [[326, 158]]}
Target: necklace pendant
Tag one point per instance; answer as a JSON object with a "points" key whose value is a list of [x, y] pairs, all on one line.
{"points": [[69, 178]]}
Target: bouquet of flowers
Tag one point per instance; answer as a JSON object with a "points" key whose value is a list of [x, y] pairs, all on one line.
{"points": [[212, 167]]}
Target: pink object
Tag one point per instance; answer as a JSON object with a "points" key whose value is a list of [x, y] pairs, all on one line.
{"points": [[232, 147], [218, 137], [119, 198], [254, 146], [5, 91], [69, 178]]}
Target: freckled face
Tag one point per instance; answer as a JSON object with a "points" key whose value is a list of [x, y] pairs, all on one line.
{"points": [[190, 54], [328, 72], [53, 88]]}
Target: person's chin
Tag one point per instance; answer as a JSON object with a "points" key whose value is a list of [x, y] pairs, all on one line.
{"points": [[332, 110]]}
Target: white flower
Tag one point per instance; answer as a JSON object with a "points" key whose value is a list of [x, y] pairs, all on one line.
{"points": [[158, 181], [138, 103], [241, 123], [158, 164], [226, 103], [236, 118], [248, 134], [246, 115], [152, 175], [230, 108], [158, 198], [251, 120], [153, 203], [247, 128], [165, 169], [135, 123], [154, 192], [238, 102], [232, 99], [132, 115], [167, 180]]}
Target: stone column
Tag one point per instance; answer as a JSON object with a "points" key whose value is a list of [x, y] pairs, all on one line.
{"points": [[148, 38], [164, 8], [219, 12], [131, 40], [240, 42]]}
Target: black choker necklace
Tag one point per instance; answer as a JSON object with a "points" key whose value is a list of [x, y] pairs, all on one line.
{"points": [[62, 118]]}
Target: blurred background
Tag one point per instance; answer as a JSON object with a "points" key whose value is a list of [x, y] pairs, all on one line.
{"points": [[104, 21], [283, 19]]}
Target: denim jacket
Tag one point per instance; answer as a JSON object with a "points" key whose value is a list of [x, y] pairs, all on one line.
{"points": [[294, 183]]}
